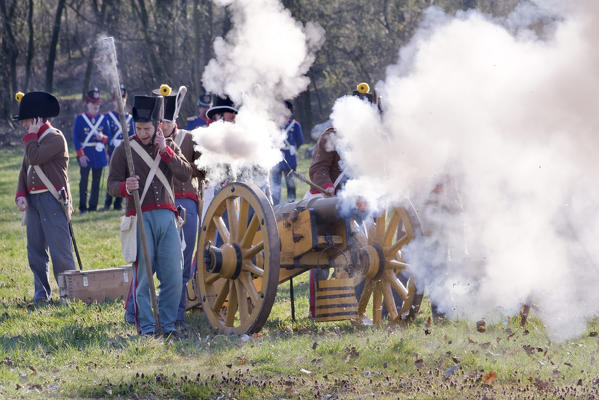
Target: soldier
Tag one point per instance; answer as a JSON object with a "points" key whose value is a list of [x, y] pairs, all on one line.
{"points": [[201, 119], [186, 195], [293, 140], [43, 174], [157, 160], [326, 171], [222, 109], [115, 137], [90, 136]]}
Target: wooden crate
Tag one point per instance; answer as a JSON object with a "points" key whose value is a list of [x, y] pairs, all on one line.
{"points": [[95, 285]]}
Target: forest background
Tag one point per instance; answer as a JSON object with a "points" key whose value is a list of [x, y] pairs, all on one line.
{"points": [[51, 45]]}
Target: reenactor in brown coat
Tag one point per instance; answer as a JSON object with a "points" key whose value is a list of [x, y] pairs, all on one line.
{"points": [[157, 161], [42, 177], [326, 171]]}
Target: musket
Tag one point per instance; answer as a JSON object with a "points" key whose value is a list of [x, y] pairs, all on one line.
{"points": [[109, 43], [308, 181], [65, 206]]}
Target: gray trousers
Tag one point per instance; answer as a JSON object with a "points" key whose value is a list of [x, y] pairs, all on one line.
{"points": [[47, 229], [190, 229]]}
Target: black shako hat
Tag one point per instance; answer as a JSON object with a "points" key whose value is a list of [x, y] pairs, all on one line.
{"points": [[170, 103], [93, 96], [123, 92], [363, 91], [148, 108], [221, 104], [37, 104], [205, 100]]}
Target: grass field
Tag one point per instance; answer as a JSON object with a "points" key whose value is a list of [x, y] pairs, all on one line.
{"points": [[77, 351]]}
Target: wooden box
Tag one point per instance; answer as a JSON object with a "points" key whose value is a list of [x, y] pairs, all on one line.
{"points": [[95, 285]]}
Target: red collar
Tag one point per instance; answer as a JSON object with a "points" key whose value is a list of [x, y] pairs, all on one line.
{"points": [[90, 115], [43, 129]]}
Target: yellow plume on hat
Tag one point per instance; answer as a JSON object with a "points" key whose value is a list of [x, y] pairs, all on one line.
{"points": [[363, 88], [19, 96], [165, 89]]}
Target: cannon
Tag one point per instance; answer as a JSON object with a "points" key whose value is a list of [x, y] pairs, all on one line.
{"points": [[246, 248]]}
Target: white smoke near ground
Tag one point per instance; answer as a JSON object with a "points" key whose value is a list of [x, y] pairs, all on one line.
{"points": [[491, 128], [262, 62]]}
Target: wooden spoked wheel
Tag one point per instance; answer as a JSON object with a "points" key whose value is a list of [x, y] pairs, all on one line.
{"points": [[385, 278], [238, 269]]}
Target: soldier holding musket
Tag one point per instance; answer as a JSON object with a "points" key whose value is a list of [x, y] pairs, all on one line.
{"points": [[186, 191], [42, 176], [156, 160]]}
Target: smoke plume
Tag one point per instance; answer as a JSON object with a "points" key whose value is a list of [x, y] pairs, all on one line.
{"points": [[491, 128], [262, 62]]}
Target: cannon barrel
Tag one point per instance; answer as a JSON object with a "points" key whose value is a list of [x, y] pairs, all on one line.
{"points": [[326, 209]]}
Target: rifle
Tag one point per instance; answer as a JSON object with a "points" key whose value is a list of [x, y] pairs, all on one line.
{"points": [[109, 43], [65, 206]]}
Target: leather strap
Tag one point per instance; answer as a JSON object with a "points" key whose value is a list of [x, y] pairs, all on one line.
{"points": [[154, 170]]}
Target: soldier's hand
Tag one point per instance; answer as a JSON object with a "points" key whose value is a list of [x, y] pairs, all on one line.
{"points": [[83, 160], [35, 125], [21, 203], [160, 141], [132, 183], [99, 136]]}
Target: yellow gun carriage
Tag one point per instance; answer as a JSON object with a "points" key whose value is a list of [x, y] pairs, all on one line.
{"points": [[246, 248]]}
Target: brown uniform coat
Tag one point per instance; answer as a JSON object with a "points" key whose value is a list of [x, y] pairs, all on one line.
{"points": [[48, 149], [173, 164], [188, 188], [325, 168]]}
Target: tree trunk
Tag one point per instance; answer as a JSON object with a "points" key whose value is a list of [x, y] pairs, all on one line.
{"points": [[149, 50], [89, 68], [304, 114], [468, 4], [10, 54], [30, 46], [53, 45]]}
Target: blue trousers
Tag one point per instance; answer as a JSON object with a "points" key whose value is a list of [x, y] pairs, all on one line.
{"points": [[93, 197], [164, 247], [190, 229], [275, 178], [47, 230], [118, 202]]}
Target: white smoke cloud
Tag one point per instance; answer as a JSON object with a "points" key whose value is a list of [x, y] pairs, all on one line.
{"points": [[506, 118], [262, 62]]}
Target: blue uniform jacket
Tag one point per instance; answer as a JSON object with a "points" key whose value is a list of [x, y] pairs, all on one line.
{"points": [[195, 123], [94, 149], [115, 133], [294, 140]]}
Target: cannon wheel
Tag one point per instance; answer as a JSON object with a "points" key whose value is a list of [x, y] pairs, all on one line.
{"points": [[238, 274], [385, 237]]}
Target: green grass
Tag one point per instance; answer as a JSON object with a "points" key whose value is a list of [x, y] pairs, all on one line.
{"points": [[80, 351]]}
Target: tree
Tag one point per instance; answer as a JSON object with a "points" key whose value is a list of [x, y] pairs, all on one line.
{"points": [[53, 45]]}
